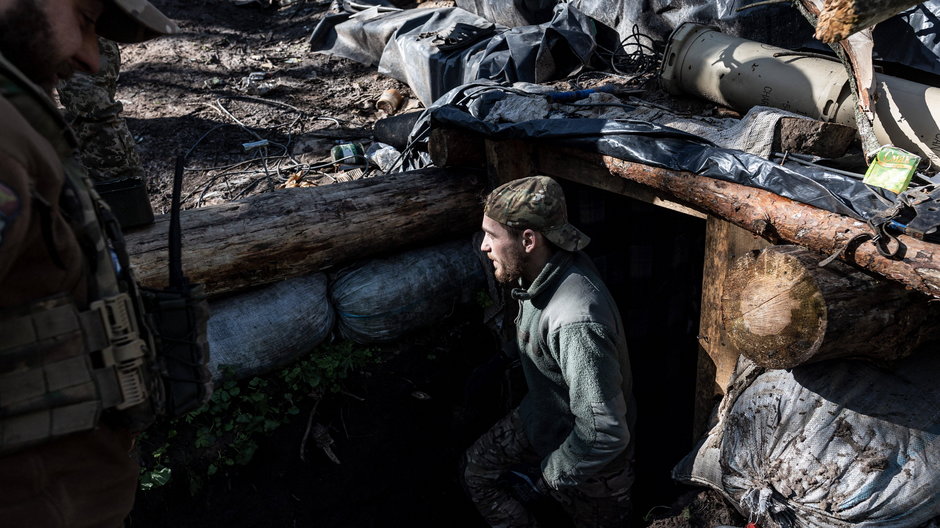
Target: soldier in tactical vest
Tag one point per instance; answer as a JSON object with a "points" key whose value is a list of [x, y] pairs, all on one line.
{"points": [[79, 372]]}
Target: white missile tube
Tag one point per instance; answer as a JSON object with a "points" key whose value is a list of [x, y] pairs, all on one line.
{"points": [[741, 73]]}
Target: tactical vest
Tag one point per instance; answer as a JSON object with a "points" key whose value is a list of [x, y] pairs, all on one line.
{"points": [[63, 369]]}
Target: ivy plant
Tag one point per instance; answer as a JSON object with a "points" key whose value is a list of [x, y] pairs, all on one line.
{"points": [[227, 430]]}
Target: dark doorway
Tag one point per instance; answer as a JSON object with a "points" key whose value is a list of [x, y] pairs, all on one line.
{"points": [[651, 260]]}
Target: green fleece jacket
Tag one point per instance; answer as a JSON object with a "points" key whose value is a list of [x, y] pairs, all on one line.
{"points": [[579, 410]]}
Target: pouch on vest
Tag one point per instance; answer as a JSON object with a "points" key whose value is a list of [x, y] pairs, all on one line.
{"points": [[177, 317]]}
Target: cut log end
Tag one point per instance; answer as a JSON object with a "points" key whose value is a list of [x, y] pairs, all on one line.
{"points": [[773, 310], [781, 310]]}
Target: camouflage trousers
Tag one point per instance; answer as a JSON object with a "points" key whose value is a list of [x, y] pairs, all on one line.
{"points": [[107, 146], [601, 501]]}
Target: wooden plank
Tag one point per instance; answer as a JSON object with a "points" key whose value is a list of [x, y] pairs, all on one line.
{"points": [[724, 243], [450, 147], [558, 163], [706, 395]]}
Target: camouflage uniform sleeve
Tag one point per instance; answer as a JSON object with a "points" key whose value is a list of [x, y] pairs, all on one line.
{"points": [[108, 149], [14, 210]]}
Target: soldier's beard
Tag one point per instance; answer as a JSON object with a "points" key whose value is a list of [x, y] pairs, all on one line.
{"points": [[26, 40], [510, 268]]}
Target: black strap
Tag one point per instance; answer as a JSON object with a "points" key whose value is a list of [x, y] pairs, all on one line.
{"points": [[887, 244], [848, 248], [177, 280]]}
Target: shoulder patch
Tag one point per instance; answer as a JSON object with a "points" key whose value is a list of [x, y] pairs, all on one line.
{"points": [[9, 209]]}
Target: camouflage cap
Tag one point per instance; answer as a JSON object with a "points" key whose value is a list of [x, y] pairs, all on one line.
{"points": [[129, 21], [536, 203]]}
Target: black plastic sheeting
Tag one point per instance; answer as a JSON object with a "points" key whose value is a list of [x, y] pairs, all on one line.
{"points": [[511, 13], [435, 50], [650, 144], [911, 38]]}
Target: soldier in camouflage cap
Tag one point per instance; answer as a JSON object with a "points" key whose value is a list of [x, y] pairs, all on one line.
{"points": [[537, 203], [527, 208], [574, 428]]}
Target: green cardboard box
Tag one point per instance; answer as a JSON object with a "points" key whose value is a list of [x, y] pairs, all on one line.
{"points": [[891, 169]]}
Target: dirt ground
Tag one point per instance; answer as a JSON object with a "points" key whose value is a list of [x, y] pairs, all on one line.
{"points": [[696, 509], [191, 93], [237, 75]]}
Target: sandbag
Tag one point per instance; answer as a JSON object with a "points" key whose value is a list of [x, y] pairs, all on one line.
{"points": [[257, 331], [382, 299], [834, 444]]}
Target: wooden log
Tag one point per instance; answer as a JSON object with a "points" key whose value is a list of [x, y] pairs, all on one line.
{"points": [[291, 232], [449, 147], [508, 160], [841, 18], [780, 309], [769, 215], [552, 162]]}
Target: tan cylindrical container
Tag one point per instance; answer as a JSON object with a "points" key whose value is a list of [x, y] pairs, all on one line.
{"points": [[389, 101], [740, 74]]}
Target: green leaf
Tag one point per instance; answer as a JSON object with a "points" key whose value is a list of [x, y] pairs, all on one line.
{"points": [[155, 478]]}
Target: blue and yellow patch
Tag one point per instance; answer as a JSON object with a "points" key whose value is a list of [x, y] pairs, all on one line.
{"points": [[9, 209]]}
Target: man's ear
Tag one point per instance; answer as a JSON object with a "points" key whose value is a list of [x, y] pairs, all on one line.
{"points": [[532, 240]]}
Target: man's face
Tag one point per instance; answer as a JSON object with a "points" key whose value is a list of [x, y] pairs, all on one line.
{"points": [[49, 40], [505, 250]]}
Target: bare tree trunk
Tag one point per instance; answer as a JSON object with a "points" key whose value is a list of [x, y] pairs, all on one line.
{"points": [[293, 232], [780, 309]]}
